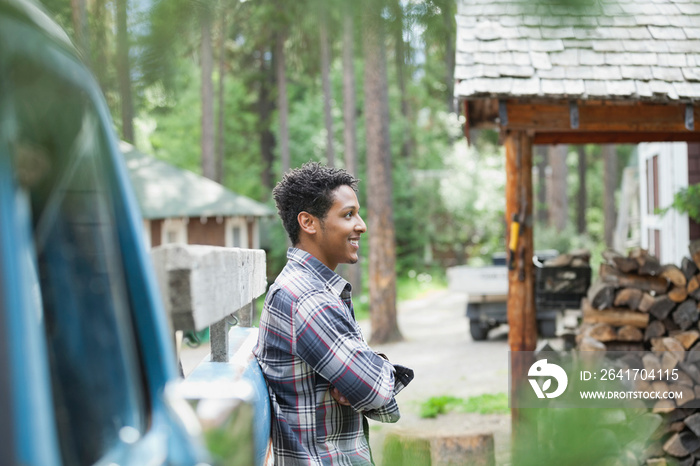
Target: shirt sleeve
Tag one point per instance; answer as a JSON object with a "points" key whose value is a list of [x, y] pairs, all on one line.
{"points": [[327, 340]]}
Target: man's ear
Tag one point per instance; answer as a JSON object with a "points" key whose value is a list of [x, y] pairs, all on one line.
{"points": [[307, 222]]}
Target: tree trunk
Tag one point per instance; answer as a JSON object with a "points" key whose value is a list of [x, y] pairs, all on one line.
{"points": [[558, 201], [265, 107], [207, 63], [354, 273], [220, 140], [382, 239], [610, 184], [326, 83], [400, 57], [282, 102], [448, 15], [124, 73], [582, 193], [100, 34], [80, 26], [542, 210]]}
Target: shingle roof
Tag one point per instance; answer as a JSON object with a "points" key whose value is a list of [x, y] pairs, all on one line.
{"points": [[645, 50], [165, 191]]}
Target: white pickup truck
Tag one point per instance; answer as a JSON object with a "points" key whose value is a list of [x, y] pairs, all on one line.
{"points": [[487, 290]]}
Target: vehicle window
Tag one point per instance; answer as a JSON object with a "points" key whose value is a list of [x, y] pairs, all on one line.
{"points": [[59, 158]]}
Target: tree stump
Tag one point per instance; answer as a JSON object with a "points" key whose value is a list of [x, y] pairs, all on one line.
{"points": [[425, 449]]}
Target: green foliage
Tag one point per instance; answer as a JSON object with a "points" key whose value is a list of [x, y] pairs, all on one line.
{"points": [[482, 404], [687, 201]]}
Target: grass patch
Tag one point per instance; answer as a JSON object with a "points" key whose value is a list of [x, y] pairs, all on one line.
{"points": [[481, 404]]}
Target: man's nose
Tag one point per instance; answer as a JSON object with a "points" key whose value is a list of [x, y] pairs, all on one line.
{"points": [[360, 227]]}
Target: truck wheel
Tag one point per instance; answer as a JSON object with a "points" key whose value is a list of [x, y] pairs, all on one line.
{"points": [[547, 328], [477, 330]]}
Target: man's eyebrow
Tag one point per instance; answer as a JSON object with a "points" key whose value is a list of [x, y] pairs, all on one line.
{"points": [[352, 206]]}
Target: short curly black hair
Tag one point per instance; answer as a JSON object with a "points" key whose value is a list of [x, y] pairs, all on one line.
{"points": [[309, 189]]}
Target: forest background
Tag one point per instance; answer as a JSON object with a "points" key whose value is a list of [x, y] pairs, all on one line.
{"points": [[240, 91]]}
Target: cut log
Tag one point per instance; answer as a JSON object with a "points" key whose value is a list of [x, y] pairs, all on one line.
{"points": [[687, 394], [614, 317], [669, 361], [651, 362], [629, 333], [687, 338], [677, 426], [620, 262], [670, 325], [662, 307], [624, 346], [683, 378], [648, 265], [690, 441], [679, 414], [589, 344], [693, 423], [610, 275], [671, 344], [686, 314], [689, 268], [628, 297], [562, 260], [601, 332], [663, 406], [678, 294], [601, 295], [646, 302], [655, 329], [610, 254], [691, 370], [694, 248], [693, 287], [626, 264], [659, 386], [674, 447], [674, 275]]}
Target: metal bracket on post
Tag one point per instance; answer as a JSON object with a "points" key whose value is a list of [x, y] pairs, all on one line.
{"points": [[503, 113], [573, 114], [689, 117]]}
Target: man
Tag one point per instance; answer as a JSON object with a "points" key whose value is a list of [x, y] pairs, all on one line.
{"points": [[322, 377]]}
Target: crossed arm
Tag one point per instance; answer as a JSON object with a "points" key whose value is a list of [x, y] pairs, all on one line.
{"points": [[329, 341]]}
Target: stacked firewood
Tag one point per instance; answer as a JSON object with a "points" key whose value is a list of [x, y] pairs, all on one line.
{"points": [[636, 300], [639, 304]]}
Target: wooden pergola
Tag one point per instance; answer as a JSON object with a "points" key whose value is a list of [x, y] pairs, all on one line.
{"points": [[622, 72]]}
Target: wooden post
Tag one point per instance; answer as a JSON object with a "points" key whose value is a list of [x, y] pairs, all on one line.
{"points": [[522, 335]]}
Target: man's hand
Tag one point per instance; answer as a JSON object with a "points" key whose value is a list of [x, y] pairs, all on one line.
{"points": [[337, 396]]}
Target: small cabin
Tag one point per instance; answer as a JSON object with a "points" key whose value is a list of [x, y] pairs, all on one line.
{"points": [[179, 206]]}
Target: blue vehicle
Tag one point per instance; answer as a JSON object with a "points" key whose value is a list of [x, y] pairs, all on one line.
{"points": [[86, 355]]}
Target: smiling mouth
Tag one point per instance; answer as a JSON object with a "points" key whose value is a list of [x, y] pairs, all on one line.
{"points": [[355, 242]]}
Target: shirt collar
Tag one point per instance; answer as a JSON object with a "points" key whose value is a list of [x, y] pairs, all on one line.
{"points": [[333, 281]]}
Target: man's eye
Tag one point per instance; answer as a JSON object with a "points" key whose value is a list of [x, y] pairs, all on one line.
{"points": [[348, 215]]}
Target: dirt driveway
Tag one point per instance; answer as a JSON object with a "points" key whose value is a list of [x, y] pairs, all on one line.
{"points": [[446, 361]]}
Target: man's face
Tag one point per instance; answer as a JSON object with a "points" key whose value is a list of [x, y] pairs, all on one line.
{"points": [[338, 239]]}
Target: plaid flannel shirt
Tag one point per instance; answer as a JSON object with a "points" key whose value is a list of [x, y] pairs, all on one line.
{"points": [[309, 342]]}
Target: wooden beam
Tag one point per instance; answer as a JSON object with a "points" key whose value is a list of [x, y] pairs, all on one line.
{"points": [[610, 116], [522, 335], [521, 302], [612, 137]]}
